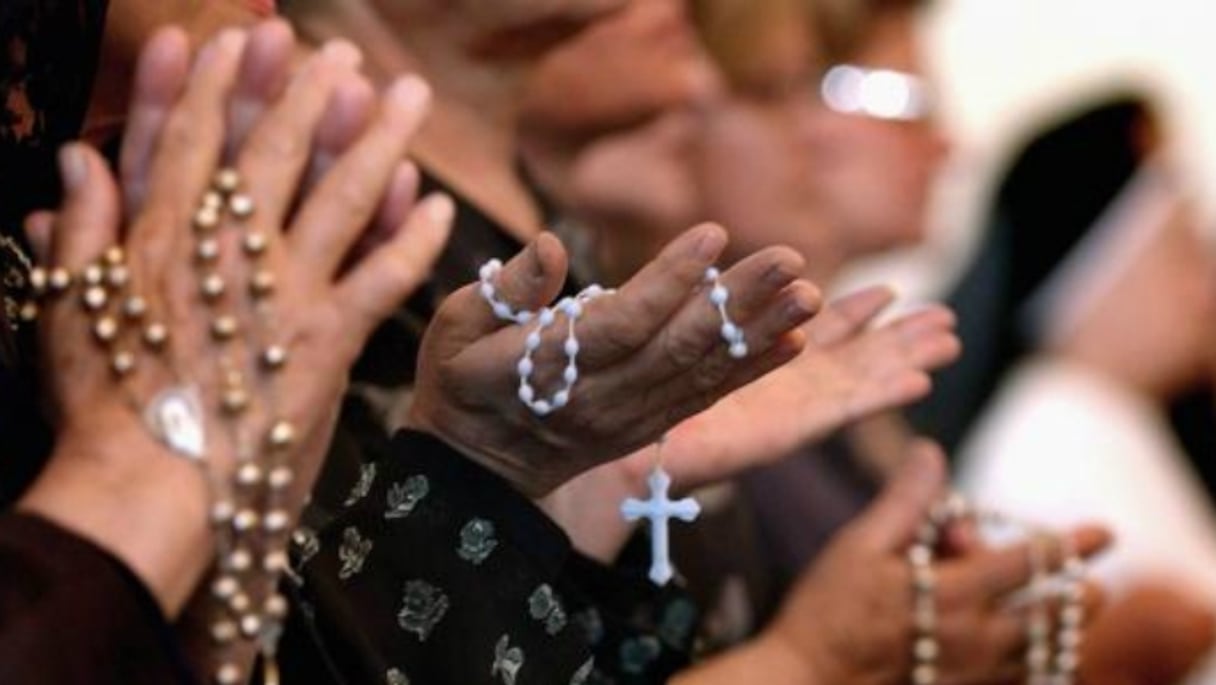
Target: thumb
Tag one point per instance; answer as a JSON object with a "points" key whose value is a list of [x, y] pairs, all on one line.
{"points": [[530, 280], [891, 522]]}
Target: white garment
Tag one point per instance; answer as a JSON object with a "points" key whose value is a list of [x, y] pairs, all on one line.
{"points": [[1062, 445]]}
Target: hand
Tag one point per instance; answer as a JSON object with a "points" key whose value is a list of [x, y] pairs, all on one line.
{"points": [[847, 371], [850, 617], [651, 355], [109, 479], [1151, 634]]}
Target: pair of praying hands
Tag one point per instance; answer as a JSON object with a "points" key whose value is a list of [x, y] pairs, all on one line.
{"points": [[342, 241]]}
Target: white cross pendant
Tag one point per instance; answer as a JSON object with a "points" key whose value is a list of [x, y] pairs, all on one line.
{"points": [[660, 509]]}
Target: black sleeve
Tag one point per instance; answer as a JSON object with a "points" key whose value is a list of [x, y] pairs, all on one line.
{"points": [[71, 613]]}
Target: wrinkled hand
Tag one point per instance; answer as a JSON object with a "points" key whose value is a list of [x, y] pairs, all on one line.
{"points": [[850, 616], [320, 171], [651, 355]]}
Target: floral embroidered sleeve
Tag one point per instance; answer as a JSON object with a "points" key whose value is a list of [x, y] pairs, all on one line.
{"points": [[435, 571]]}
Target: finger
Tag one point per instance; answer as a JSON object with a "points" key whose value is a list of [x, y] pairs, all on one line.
{"points": [[849, 315], [276, 154], [708, 376], [160, 76], [346, 116], [890, 523], [693, 339], [349, 195], [189, 148], [664, 418], [997, 573], [379, 283], [38, 232], [262, 77], [927, 338], [394, 210], [531, 279], [645, 303], [88, 220]]}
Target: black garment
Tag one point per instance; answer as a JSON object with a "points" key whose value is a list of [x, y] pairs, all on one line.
{"points": [[416, 565], [48, 58], [1054, 191], [71, 613]]}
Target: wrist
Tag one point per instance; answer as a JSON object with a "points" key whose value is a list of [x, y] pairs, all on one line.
{"points": [[145, 507], [522, 476]]}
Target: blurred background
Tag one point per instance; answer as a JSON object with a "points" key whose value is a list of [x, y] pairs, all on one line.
{"points": [[1006, 68]]}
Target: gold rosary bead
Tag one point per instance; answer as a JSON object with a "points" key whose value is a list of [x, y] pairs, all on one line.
{"points": [[156, 335], [275, 562], [241, 206], [236, 400], [226, 180], [92, 275], [239, 560], [134, 307], [249, 475], [280, 477], [59, 280], [29, 312], [275, 521], [255, 243], [228, 674], [207, 250], [94, 298], [274, 357], [275, 606], [206, 219], [223, 328], [212, 287], [122, 363], [224, 587], [118, 276], [222, 512], [38, 281], [239, 603], [114, 256], [245, 521], [105, 330], [282, 434], [262, 284], [212, 200], [251, 626], [223, 632]]}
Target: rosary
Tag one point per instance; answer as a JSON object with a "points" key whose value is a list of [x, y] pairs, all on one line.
{"points": [[659, 508], [1050, 659], [248, 514]]}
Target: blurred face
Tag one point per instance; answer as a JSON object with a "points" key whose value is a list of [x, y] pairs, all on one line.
{"points": [[871, 177], [625, 70], [505, 18], [752, 169], [1155, 323]]}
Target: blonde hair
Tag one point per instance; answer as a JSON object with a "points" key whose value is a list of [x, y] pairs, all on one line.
{"points": [[843, 26], [736, 32]]}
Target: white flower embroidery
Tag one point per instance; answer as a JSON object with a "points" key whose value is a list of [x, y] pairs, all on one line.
{"points": [[367, 476], [352, 553]]}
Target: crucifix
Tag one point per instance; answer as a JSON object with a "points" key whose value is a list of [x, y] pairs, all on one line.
{"points": [[660, 509]]}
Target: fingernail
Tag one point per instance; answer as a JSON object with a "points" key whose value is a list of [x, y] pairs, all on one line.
{"points": [[73, 166], [441, 208], [409, 91]]}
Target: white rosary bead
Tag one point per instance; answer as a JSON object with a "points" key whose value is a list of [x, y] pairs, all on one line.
{"points": [[573, 308], [719, 295]]}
